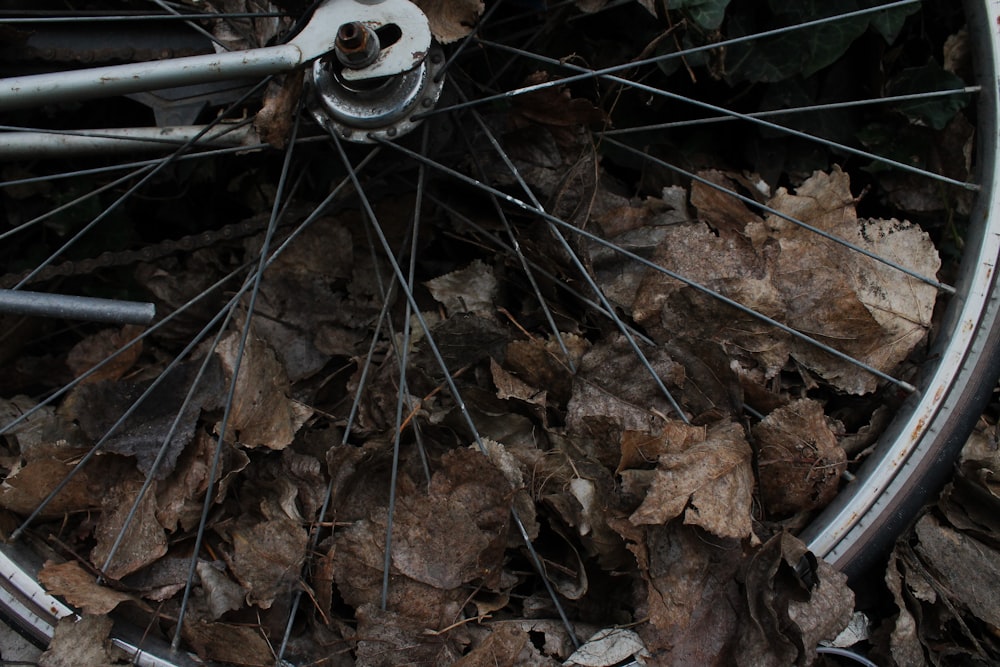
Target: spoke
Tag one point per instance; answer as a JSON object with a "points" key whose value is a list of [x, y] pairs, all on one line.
{"points": [[498, 242], [121, 420], [404, 357], [237, 364], [582, 270], [121, 199], [317, 212], [598, 73], [411, 281], [465, 42], [905, 386], [165, 446], [250, 148], [795, 110], [29, 17], [550, 319], [721, 110], [191, 24], [74, 202], [448, 377], [795, 221]]}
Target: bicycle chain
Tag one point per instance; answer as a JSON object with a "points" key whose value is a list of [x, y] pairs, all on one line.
{"points": [[146, 254]]}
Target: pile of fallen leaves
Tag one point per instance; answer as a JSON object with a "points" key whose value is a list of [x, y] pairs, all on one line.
{"points": [[663, 534], [642, 519]]}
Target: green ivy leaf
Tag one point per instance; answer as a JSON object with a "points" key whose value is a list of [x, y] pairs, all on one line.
{"points": [[707, 14], [890, 22], [936, 112], [803, 51]]}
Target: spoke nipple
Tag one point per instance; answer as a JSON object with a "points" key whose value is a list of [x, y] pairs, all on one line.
{"points": [[356, 45]]}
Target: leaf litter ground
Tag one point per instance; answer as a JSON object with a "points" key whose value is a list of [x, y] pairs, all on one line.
{"points": [[664, 539]]}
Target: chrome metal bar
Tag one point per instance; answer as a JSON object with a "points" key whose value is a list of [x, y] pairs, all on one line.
{"points": [[17, 302], [317, 39], [35, 144]]}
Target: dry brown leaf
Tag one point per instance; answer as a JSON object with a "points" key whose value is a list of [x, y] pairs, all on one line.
{"points": [[80, 588], [39, 434], [541, 364], [451, 20], [445, 537], [25, 489], [904, 645], [794, 602], [180, 496], [229, 643], [641, 449], [799, 459], [472, 289], [157, 420], [267, 557], [502, 646], [614, 392], [97, 347], [276, 117], [263, 415], [144, 540], [688, 583], [315, 300], [710, 482], [389, 638], [553, 106], [83, 641], [969, 569], [722, 211], [222, 594], [858, 305], [510, 386], [161, 579], [608, 647]]}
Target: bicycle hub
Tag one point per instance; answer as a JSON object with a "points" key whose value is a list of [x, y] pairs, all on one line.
{"points": [[352, 96]]}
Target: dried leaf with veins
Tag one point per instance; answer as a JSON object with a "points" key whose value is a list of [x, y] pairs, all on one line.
{"points": [[607, 647], [158, 423], [860, 306], [443, 538], [613, 387], [451, 20], [228, 643], [553, 107], [262, 415], [710, 482], [79, 588], [472, 289], [25, 488], [387, 638], [143, 540], [795, 602], [266, 557], [799, 459], [82, 641], [97, 347]]}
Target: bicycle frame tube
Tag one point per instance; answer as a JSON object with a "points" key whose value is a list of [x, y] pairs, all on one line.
{"points": [[315, 40], [21, 145]]}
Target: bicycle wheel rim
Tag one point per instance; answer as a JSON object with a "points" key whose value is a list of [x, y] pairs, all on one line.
{"points": [[856, 529]]}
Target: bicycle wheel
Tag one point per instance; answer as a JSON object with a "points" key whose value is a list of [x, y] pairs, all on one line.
{"points": [[600, 234]]}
